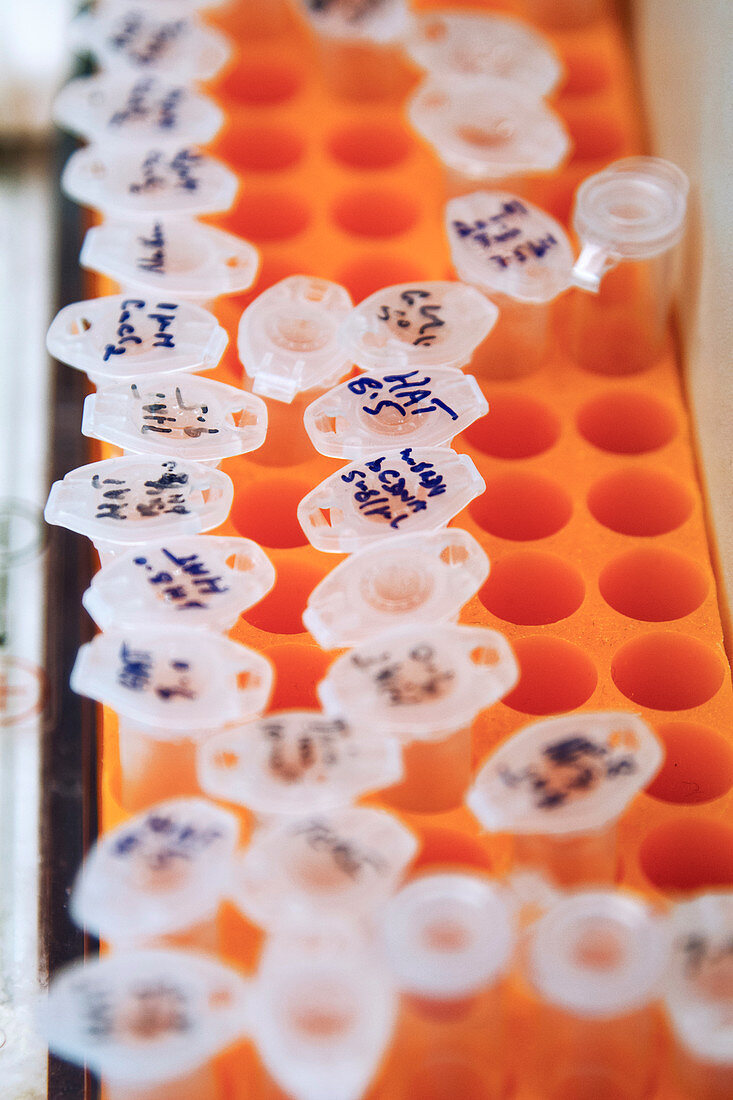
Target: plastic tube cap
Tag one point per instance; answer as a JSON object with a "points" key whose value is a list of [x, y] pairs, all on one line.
{"points": [[406, 491], [159, 873], [142, 1017], [322, 1017], [298, 762], [287, 338], [419, 684], [140, 38], [633, 210], [135, 111], [173, 682], [131, 500], [488, 129], [430, 324], [413, 579], [158, 180], [182, 417], [447, 935], [699, 988], [471, 44], [378, 21], [575, 774], [346, 861], [505, 245], [599, 954], [179, 257], [121, 337], [191, 582]]}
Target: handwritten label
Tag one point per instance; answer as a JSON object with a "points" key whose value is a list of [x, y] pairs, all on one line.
{"points": [[293, 754], [160, 413], [415, 318], [349, 857], [135, 673], [163, 315], [184, 585], [144, 46], [154, 260], [407, 391], [160, 839], [383, 492], [351, 11], [180, 168], [406, 681], [141, 105], [162, 495], [501, 239], [569, 769], [152, 1009]]}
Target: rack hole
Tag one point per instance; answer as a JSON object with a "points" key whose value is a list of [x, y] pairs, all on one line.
{"points": [[375, 213], [530, 588], [595, 137], [268, 216], [555, 676], [698, 764], [522, 506], [639, 502], [371, 273], [584, 74], [627, 423], [298, 668], [261, 84], [266, 512], [260, 148], [653, 585], [692, 854], [667, 671], [281, 610], [514, 427], [370, 146]]}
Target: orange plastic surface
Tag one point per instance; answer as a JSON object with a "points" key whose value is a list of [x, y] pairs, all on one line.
{"points": [[592, 517]]}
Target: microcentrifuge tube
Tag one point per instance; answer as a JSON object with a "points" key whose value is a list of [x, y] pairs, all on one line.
{"points": [[596, 961], [360, 45], [489, 133], [298, 762], [522, 258], [424, 578], [148, 1021], [179, 417], [462, 43], [121, 337], [191, 582], [345, 861], [699, 994], [417, 326], [425, 687], [160, 876], [629, 218], [323, 1012], [560, 785]]}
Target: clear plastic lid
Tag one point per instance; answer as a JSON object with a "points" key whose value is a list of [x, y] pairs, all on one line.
{"points": [[183, 417], [143, 110], [378, 21], [573, 774], [633, 210], [298, 762], [346, 861], [159, 873], [406, 491], [179, 257], [454, 44], [119, 337], [599, 953], [447, 935], [421, 684], [488, 129], [699, 987], [505, 245], [357, 418], [144, 1016], [201, 581], [143, 39], [322, 1015], [288, 336], [133, 500], [424, 578], [421, 325], [169, 679], [158, 180]]}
